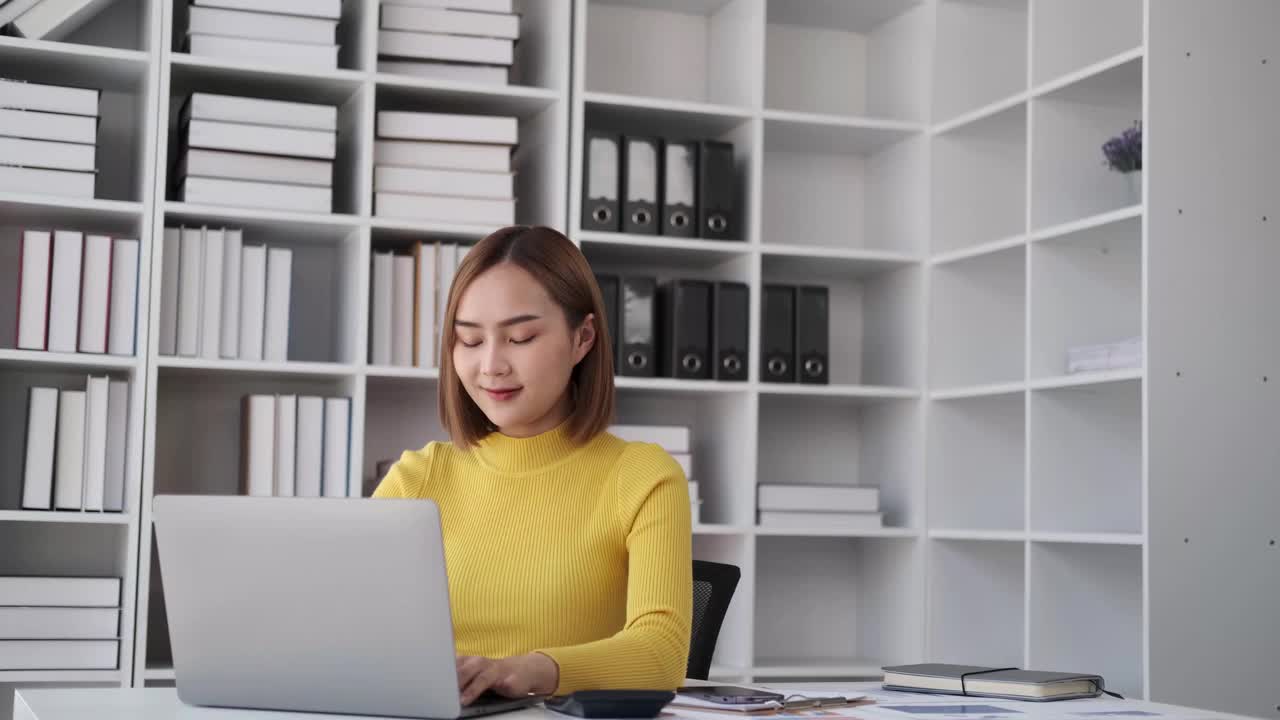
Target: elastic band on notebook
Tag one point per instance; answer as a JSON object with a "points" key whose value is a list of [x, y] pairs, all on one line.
{"points": [[964, 691]]}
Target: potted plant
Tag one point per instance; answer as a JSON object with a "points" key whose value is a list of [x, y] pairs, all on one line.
{"points": [[1124, 155]]}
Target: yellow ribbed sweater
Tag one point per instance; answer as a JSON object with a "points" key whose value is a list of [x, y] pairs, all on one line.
{"points": [[580, 553]]}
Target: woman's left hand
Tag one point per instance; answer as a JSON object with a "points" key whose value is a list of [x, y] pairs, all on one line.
{"points": [[511, 677]]}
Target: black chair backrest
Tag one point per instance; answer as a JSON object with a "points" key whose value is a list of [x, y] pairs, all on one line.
{"points": [[713, 587]]}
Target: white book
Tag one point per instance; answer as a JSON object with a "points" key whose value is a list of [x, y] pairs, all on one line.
{"points": [[64, 290], [275, 329], [447, 127], [258, 433], [309, 464], [446, 267], [493, 6], [57, 623], [46, 154], [457, 72], [270, 52], [47, 98], [12, 9], [262, 26], [39, 591], [337, 438], [821, 498], [286, 445], [331, 9], [68, 483], [685, 461], [258, 168], [122, 325], [40, 181], [37, 466], [211, 294], [382, 307], [462, 183], [478, 157], [97, 398], [246, 194], [59, 654], [424, 309], [438, 46], [33, 289], [190, 291], [441, 208], [672, 438], [48, 126], [260, 111], [244, 137], [170, 277], [232, 247], [853, 522], [253, 300], [56, 19], [453, 22], [402, 312], [95, 294], [117, 444]]}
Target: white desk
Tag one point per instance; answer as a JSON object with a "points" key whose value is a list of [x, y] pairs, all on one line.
{"points": [[163, 704]]}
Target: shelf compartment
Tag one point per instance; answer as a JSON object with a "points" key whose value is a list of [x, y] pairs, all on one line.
{"points": [[121, 25], [1086, 459], [800, 632], [871, 444], [1086, 611], [873, 318], [978, 323], [733, 648], [1068, 35], [1086, 289], [718, 423], [979, 181], [352, 33], [819, 175], [399, 415], [58, 550], [1070, 178], [980, 56], [981, 620], [323, 310], [977, 463], [848, 58], [708, 49]]}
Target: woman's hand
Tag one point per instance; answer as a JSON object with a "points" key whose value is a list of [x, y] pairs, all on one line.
{"points": [[510, 677]]}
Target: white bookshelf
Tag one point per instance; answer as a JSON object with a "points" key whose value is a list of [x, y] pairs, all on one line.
{"points": [[935, 163]]}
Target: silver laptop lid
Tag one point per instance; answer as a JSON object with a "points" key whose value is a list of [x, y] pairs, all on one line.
{"points": [[314, 604]]}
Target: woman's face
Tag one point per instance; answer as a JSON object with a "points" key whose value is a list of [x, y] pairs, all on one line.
{"points": [[514, 351]]}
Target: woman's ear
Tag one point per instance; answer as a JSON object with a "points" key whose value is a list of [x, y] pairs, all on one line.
{"points": [[584, 338]]}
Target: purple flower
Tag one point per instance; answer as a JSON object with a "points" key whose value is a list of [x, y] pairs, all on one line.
{"points": [[1124, 152]]}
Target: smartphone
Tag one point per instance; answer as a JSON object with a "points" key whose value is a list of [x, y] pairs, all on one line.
{"points": [[730, 694]]}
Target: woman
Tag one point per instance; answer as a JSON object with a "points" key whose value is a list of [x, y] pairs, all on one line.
{"points": [[568, 549]]}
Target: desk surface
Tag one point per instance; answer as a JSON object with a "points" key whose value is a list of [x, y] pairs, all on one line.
{"points": [[163, 704]]}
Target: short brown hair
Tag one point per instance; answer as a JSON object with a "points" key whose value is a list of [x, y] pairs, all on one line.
{"points": [[557, 264]]}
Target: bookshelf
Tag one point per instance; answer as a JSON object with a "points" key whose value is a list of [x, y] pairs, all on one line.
{"points": [[933, 162]]}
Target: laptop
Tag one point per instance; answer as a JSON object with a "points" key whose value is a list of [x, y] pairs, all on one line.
{"points": [[311, 604]]}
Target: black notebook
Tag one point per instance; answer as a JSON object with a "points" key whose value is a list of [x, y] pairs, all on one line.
{"points": [[992, 682]]}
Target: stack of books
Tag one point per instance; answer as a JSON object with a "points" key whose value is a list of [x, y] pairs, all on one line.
{"points": [[75, 447], [295, 446], [59, 623], [48, 138], [251, 152], [445, 167], [48, 19], [820, 507], [408, 296], [77, 292], [293, 33], [458, 40], [675, 440], [222, 298]]}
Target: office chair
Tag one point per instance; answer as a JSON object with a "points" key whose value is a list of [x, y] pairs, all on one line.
{"points": [[713, 586]]}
